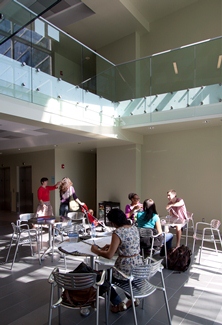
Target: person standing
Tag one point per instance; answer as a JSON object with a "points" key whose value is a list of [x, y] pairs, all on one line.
{"points": [[44, 207], [67, 191], [178, 212]]}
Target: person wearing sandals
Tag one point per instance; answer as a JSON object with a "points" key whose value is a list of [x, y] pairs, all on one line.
{"points": [[126, 242]]}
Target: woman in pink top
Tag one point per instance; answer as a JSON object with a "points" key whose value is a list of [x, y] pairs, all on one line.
{"points": [[177, 210], [135, 206]]}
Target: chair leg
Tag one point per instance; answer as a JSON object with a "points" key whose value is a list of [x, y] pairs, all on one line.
{"points": [[166, 299], [194, 242], [133, 305], [16, 250], [30, 242], [220, 238], [9, 250], [50, 305], [59, 308], [201, 249], [97, 306]]}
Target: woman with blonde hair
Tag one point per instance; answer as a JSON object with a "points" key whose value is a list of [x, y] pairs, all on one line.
{"points": [[67, 191]]}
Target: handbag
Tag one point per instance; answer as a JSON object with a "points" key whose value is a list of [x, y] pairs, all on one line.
{"points": [[73, 205], [84, 297]]}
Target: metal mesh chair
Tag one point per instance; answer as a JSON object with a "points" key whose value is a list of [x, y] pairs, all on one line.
{"points": [[207, 232], [147, 235], [24, 219], [138, 285], [187, 226], [23, 235], [74, 281]]}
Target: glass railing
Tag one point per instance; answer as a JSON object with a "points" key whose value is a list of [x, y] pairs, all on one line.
{"points": [[15, 14], [58, 66]]}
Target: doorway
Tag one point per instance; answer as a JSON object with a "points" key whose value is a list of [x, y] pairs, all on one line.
{"points": [[5, 194], [25, 204]]}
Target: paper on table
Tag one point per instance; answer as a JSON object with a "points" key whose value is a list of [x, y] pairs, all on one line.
{"points": [[79, 247], [100, 241]]}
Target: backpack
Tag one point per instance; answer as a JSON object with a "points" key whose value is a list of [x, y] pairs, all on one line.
{"points": [[178, 259]]}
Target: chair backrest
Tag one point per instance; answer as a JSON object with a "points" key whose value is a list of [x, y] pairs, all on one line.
{"points": [[189, 215], [74, 281], [25, 217], [215, 223], [147, 270], [145, 232], [15, 228], [75, 215]]}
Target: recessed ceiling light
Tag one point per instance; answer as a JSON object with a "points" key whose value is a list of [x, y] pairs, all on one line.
{"points": [[175, 68], [219, 61]]}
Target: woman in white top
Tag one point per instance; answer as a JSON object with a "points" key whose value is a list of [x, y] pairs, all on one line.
{"points": [[66, 191]]}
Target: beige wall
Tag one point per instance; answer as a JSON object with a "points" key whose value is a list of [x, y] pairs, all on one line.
{"points": [[120, 51], [188, 161], [80, 167], [197, 22], [118, 173], [43, 165]]}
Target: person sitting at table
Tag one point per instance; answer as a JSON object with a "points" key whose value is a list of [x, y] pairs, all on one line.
{"points": [[126, 242], [67, 191], [177, 211], [133, 207], [44, 207], [149, 218]]}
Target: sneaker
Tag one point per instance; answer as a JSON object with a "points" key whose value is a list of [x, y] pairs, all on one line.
{"points": [[136, 302], [84, 311]]}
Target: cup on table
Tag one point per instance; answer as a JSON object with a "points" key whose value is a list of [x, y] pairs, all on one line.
{"points": [[73, 236]]}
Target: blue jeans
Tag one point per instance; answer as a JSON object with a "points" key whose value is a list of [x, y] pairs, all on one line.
{"points": [[169, 239]]}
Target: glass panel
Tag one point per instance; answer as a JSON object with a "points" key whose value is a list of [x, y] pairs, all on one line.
{"points": [[83, 75], [17, 14], [208, 62], [173, 71]]}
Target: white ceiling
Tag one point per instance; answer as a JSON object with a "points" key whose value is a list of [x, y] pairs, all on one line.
{"points": [[96, 23]]}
